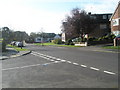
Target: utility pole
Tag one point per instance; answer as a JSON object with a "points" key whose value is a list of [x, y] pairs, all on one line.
{"points": [[21, 39], [42, 36]]}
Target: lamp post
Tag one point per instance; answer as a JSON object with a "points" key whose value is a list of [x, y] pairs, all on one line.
{"points": [[42, 36], [21, 39]]}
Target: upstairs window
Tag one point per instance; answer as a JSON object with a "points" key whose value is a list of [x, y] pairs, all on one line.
{"points": [[109, 16], [104, 16]]}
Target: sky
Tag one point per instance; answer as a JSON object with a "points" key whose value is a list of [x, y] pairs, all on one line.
{"points": [[46, 15]]}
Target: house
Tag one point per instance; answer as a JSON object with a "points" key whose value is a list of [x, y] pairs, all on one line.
{"points": [[102, 24], [57, 37], [47, 37], [38, 39], [63, 37], [102, 27], [115, 21]]}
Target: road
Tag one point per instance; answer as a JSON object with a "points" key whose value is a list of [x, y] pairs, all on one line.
{"points": [[61, 67]]}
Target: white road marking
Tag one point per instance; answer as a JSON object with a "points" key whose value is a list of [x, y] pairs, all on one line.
{"points": [[75, 63], [94, 68], [27, 66], [60, 60], [109, 72], [52, 60], [49, 56], [46, 63], [56, 62], [21, 67], [83, 65], [69, 61], [63, 60]]}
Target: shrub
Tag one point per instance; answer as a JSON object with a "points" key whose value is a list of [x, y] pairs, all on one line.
{"points": [[57, 41], [81, 39], [92, 39], [69, 42], [84, 39]]}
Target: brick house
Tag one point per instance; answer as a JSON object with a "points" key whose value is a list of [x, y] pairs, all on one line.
{"points": [[115, 21], [102, 24]]}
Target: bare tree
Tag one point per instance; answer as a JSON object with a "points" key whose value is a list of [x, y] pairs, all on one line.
{"points": [[78, 23]]}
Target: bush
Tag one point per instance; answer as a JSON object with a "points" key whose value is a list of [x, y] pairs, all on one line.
{"points": [[108, 37], [57, 41], [69, 42], [80, 39], [92, 39], [84, 39]]}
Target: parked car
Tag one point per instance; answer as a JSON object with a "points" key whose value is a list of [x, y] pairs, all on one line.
{"points": [[19, 44], [117, 37], [13, 43]]}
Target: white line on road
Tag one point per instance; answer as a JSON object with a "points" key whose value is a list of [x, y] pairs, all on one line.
{"points": [[75, 63], [83, 65], [52, 60], [61, 60], [69, 61], [58, 59], [43, 55], [28, 66], [109, 72], [21, 67], [94, 68]]}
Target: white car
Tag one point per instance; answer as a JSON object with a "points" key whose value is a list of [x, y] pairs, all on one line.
{"points": [[19, 44]]}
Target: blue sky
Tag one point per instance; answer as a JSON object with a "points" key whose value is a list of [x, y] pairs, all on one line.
{"points": [[32, 15]]}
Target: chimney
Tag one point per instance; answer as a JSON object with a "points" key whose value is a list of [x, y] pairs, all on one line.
{"points": [[89, 13]]}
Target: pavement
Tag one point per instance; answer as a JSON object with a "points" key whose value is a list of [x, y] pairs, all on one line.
{"points": [[12, 53]]}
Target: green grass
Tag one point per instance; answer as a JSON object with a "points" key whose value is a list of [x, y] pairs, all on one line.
{"points": [[47, 44], [1, 39], [111, 47], [17, 48], [68, 46]]}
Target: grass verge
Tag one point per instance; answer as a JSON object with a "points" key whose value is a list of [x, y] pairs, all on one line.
{"points": [[47, 44], [111, 47], [17, 48]]}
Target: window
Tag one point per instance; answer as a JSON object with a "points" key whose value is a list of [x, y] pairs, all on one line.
{"points": [[104, 16], [109, 16], [115, 22]]}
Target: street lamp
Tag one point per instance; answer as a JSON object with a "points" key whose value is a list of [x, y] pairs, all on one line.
{"points": [[42, 36]]}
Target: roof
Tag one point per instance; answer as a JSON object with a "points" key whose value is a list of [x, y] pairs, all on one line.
{"points": [[115, 10]]}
